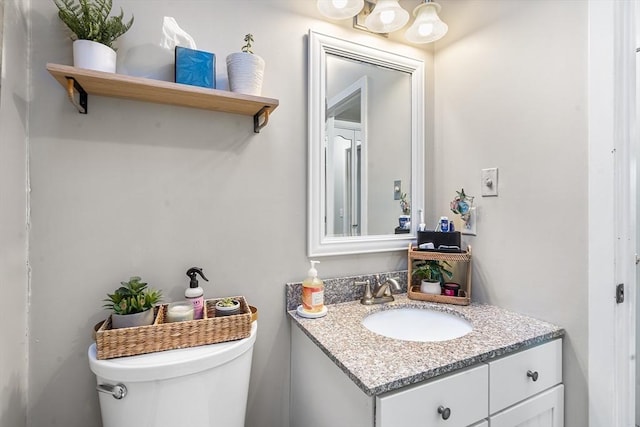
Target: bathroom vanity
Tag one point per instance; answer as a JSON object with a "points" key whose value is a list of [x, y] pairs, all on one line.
{"points": [[506, 372]]}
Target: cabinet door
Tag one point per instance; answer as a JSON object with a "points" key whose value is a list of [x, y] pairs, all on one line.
{"points": [[543, 410], [458, 400], [483, 423]]}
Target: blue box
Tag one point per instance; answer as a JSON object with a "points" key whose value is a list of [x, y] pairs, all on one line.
{"points": [[195, 67]]}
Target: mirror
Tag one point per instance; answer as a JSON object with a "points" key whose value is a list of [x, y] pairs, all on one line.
{"points": [[366, 136]]}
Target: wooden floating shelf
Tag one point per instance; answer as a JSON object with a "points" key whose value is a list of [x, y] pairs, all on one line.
{"points": [[88, 82]]}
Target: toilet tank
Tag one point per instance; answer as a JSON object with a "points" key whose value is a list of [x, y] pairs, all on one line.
{"points": [[202, 386]]}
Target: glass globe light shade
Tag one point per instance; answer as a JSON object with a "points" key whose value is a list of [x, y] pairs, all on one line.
{"points": [[386, 17], [427, 27], [340, 9]]}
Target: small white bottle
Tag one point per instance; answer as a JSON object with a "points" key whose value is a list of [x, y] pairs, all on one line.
{"points": [[194, 292]]}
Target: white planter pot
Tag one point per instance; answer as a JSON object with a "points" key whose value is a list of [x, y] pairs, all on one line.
{"points": [[432, 288], [227, 311], [245, 72], [130, 320], [94, 56]]}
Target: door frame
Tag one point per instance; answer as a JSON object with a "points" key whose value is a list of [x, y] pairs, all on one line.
{"points": [[611, 208]]}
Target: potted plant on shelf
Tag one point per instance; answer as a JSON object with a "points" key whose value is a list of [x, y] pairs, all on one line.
{"points": [[132, 304], [432, 274], [245, 70], [94, 32], [405, 219], [227, 306]]}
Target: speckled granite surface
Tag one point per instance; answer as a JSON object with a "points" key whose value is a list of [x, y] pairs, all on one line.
{"points": [[378, 364]]}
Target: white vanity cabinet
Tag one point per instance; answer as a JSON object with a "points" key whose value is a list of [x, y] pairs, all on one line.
{"points": [[520, 390]]}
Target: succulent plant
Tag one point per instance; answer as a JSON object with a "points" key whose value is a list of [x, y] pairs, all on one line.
{"points": [[432, 270], [248, 40], [132, 297], [227, 302], [90, 20]]}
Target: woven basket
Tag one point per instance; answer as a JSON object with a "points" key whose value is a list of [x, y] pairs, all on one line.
{"points": [[162, 336]]}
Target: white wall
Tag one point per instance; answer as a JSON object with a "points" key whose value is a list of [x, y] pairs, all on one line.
{"points": [[511, 92], [134, 188], [14, 98]]}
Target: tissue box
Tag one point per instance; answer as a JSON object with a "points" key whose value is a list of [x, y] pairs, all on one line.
{"points": [[195, 67]]}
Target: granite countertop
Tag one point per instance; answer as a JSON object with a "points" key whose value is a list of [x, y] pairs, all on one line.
{"points": [[378, 364]]}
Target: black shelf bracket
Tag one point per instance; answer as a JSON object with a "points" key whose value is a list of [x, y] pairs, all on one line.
{"points": [[264, 114], [83, 99]]}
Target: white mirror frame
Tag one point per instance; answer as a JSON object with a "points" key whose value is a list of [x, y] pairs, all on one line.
{"points": [[318, 243]]}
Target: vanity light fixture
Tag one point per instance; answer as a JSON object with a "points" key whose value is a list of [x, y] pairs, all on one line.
{"points": [[387, 16], [428, 27], [340, 9]]}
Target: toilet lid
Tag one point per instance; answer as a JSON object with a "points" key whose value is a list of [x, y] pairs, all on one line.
{"points": [[171, 363]]}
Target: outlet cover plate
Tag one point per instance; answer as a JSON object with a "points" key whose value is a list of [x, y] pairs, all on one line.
{"points": [[489, 182], [397, 190]]}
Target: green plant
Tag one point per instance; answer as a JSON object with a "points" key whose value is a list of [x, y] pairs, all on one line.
{"points": [[227, 302], [132, 297], [90, 20], [432, 270], [248, 40]]}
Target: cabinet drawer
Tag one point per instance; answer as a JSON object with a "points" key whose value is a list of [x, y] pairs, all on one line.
{"points": [[516, 377], [465, 394]]}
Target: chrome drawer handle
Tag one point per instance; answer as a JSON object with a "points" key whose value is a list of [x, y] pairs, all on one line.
{"points": [[118, 391], [533, 375], [445, 412]]}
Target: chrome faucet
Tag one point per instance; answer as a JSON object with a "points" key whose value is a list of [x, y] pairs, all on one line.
{"points": [[381, 292]]}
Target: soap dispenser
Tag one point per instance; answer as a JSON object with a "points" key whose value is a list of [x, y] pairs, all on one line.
{"points": [[312, 295], [194, 292]]}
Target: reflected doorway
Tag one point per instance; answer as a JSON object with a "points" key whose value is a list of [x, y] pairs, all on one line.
{"points": [[344, 184]]}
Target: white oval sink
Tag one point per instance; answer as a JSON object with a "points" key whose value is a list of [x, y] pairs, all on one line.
{"points": [[416, 324]]}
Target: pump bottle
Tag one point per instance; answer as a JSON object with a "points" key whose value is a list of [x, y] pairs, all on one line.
{"points": [[312, 291], [194, 292]]}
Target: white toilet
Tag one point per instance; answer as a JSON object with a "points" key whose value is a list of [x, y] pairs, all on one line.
{"points": [[203, 386]]}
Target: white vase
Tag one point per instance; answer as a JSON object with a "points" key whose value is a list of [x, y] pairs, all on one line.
{"points": [[130, 320], [94, 56], [245, 72], [433, 288]]}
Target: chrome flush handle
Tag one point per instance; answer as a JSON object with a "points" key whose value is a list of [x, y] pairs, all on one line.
{"points": [[118, 391]]}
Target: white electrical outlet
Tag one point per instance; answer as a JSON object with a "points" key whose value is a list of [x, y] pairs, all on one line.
{"points": [[489, 182]]}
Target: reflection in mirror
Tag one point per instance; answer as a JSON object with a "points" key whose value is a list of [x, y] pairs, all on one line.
{"points": [[345, 211], [366, 115]]}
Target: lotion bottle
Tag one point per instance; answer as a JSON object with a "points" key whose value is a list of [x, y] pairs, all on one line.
{"points": [[194, 292], [312, 291]]}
